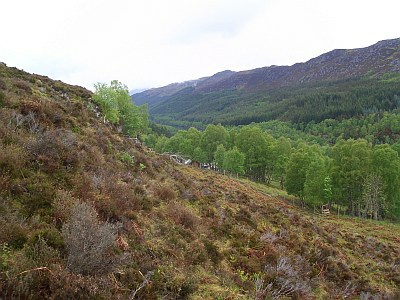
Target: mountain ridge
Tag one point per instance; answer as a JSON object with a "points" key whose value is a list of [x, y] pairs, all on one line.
{"points": [[274, 72], [328, 71]]}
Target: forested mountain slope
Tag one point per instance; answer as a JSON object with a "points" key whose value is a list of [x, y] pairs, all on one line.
{"points": [[337, 84], [85, 213]]}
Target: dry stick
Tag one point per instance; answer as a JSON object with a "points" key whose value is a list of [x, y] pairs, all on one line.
{"points": [[35, 269], [146, 281]]}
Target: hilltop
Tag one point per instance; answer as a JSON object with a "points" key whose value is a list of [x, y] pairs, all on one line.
{"points": [[327, 83], [89, 213]]}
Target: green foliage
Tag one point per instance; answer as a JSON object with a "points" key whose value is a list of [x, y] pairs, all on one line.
{"points": [[199, 155], [258, 150], [377, 128], [317, 174], [373, 202], [51, 236], [234, 161], [317, 185], [5, 255], [282, 152], [162, 129], [327, 195], [386, 164], [296, 172], [299, 167], [300, 103], [125, 157], [12, 233], [105, 96], [351, 163], [213, 136], [118, 107], [219, 156]]}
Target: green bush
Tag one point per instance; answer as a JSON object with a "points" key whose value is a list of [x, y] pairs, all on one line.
{"points": [[126, 158], [12, 233], [51, 236]]}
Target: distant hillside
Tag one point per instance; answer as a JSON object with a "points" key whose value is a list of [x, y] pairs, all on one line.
{"points": [[340, 84], [136, 91], [152, 96], [87, 213]]}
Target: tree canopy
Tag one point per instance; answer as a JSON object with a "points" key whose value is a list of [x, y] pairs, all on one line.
{"points": [[118, 108]]}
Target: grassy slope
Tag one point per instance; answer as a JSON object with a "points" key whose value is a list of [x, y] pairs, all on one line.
{"points": [[204, 235]]}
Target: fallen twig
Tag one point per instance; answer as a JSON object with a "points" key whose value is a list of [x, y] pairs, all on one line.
{"points": [[146, 281], [35, 269]]}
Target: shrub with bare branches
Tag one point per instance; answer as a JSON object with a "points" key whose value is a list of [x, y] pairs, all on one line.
{"points": [[284, 279], [89, 242]]}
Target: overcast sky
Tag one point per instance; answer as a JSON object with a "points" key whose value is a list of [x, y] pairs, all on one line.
{"points": [[151, 43]]}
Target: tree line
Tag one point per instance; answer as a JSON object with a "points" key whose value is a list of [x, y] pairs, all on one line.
{"points": [[361, 177], [376, 128]]}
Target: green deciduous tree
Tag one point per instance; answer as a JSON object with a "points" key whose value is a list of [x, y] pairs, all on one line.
{"points": [[234, 161], [213, 135], [258, 150], [373, 198], [296, 171], [199, 155], [317, 187], [160, 145], [105, 96], [386, 164], [351, 164], [219, 156], [282, 151], [118, 108]]}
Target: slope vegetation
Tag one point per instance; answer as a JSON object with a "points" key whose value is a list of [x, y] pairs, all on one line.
{"points": [[87, 213]]}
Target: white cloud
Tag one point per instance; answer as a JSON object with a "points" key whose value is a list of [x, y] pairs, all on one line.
{"points": [[154, 42]]}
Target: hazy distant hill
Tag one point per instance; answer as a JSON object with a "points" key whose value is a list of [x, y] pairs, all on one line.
{"points": [[346, 82], [152, 96], [136, 91]]}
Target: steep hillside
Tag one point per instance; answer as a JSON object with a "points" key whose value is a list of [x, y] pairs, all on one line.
{"points": [[337, 84], [89, 214], [152, 96]]}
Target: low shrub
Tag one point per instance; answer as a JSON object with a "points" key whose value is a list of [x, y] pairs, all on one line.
{"points": [[12, 233], [29, 272], [182, 215], [55, 149], [37, 195], [213, 253], [287, 278], [50, 235], [126, 158], [22, 86], [164, 192], [12, 158], [89, 242]]}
